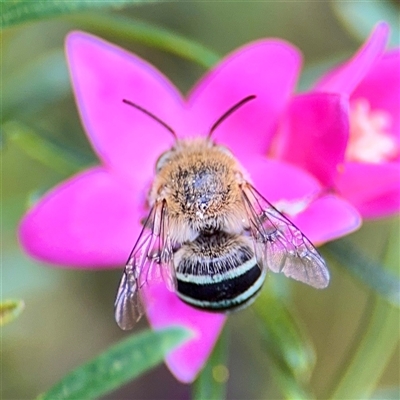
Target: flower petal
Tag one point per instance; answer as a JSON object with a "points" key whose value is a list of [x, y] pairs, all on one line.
{"points": [[315, 134], [125, 138], [373, 188], [165, 309], [327, 218], [91, 220], [381, 87], [324, 217], [278, 181], [267, 69], [345, 78]]}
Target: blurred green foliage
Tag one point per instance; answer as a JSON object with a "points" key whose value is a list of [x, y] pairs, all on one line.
{"points": [[18, 11], [211, 382], [337, 343], [117, 365], [359, 16], [9, 310]]}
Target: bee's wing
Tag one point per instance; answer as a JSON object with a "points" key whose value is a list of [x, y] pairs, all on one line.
{"points": [[284, 248], [151, 255]]}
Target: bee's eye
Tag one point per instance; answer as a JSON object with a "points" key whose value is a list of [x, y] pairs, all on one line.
{"points": [[163, 160]]}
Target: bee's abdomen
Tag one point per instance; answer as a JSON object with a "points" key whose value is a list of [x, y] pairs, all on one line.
{"points": [[218, 272]]}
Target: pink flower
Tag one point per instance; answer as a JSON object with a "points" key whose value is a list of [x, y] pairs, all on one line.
{"points": [[364, 166], [93, 219]]}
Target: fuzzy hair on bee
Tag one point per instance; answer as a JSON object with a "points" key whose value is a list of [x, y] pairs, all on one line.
{"points": [[201, 184], [210, 234]]}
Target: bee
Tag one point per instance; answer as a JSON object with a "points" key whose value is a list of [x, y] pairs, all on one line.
{"points": [[210, 234]]}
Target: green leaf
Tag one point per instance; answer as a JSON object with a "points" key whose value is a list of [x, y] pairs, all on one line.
{"points": [[117, 26], [9, 310], [389, 393], [358, 378], [290, 352], [285, 341], [37, 84], [117, 365], [288, 384], [359, 17], [211, 383], [19, 11], [369, 272], [46, 150]]}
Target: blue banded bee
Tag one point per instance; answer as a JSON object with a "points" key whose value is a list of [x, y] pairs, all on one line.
{"points": [[210, 234]]}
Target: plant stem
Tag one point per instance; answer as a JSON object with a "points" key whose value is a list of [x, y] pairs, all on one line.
{"points": [[211, 383], [150, 35], [376, 346]]}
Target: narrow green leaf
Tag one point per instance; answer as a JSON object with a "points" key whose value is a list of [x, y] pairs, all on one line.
{"points": [[359, 17], [118, 26], [211, 383], [44, 149], [20, 11], [35, 85], [9, 310], [388, 393], [288, 384], [381, 336], [117, 365], [369, 272], [285, 341]]}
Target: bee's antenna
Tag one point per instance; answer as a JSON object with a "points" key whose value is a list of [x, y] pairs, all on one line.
{"points": [[229, 112], [151, 115]]}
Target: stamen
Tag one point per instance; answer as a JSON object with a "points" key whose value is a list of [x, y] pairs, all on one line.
{"points": [[370, 137]]}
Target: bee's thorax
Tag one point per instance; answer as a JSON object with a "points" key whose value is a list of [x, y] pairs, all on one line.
{"points": [[201, 185]]}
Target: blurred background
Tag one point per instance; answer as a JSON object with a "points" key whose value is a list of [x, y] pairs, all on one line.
{"points": [[68, 317]]}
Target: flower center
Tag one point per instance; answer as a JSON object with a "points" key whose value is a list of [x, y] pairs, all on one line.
{"points": [[370, 139]]}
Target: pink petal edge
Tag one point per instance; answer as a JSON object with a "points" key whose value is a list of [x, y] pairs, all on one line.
{"points": [[277, 180], [314, 134], [327, 218], [373, 188], [126, 139], [345, 78], [267, 69], [381, 87], [89, 221], [165, 309]]}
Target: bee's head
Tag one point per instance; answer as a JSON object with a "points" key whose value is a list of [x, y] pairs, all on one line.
{"points": [[189, 146]]}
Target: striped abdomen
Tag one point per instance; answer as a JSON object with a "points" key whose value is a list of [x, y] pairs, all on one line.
{"points": [[218, 272]]}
